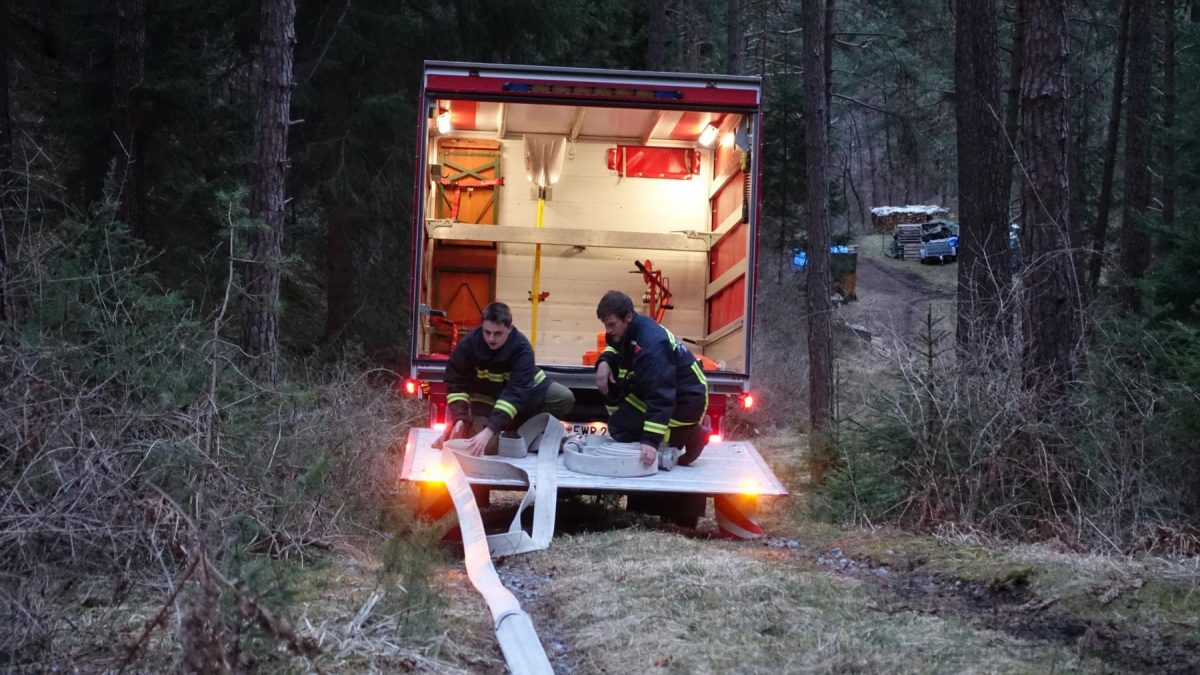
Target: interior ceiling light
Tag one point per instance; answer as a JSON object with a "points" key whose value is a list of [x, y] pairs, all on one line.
{"points": [[708, 135], [443, 122]]}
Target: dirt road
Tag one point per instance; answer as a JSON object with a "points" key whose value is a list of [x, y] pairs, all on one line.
{"points": [[894, 296]]}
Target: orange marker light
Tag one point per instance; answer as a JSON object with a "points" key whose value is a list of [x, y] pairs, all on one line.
{"points": [[436, 473], [715, 438], [750, 486], [748, 401], [410, 387]]}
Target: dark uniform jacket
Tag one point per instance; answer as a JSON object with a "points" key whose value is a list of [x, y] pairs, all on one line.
{"points": [[504, 381], [657, 375]]}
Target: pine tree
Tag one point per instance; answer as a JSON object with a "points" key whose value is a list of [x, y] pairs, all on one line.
{"points": [[1051, 308], [267, 196], [129, 53], [1100, 229], [5, 159], [984, 278], [820, 309], [1134, 241]]}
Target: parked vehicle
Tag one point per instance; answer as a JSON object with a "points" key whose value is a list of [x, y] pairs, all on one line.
{"points": [[543, 188], [652, 166]]}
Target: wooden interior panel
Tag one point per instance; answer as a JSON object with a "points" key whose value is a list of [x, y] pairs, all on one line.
{"points": [[727, 159], [727, 201], [728, 305], [728, 252], [462, 292], [590, 196], [730, 350], [465, 162]]}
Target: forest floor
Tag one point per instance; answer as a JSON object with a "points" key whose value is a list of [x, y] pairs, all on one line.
{"points": [[623, 593], [617, 592]]}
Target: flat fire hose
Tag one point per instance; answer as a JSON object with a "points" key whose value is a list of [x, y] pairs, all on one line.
{"points": [[518, 639], [596, 455]]}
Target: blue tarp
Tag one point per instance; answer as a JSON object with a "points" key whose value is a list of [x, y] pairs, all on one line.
{"points": [[800, 258]]}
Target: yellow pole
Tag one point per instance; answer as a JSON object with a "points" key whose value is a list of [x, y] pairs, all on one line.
{"points": [[537, 270]]}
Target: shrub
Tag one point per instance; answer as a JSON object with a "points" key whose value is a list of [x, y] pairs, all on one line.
{"points": [[975, 446], [131, 444]]}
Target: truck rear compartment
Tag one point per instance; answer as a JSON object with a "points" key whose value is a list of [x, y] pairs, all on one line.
{"points": [[687, 214], [574, 182]]}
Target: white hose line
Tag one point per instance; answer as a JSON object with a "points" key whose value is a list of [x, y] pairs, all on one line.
{"points": [[602, 456], [518, 639]]}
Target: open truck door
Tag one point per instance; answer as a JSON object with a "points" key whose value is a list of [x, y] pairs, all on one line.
{"points": [[656, 167], [543, 188]]}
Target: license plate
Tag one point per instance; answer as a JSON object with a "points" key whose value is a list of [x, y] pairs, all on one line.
{"points": [[586, 428]]}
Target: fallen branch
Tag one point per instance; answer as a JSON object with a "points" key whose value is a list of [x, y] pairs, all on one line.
{"points": [[158, 618], [1117, 589]]}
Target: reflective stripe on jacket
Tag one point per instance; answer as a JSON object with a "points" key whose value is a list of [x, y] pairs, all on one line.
{"points": [[658, 376], [507, 379]]}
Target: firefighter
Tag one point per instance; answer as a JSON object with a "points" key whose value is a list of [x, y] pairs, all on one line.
{"points": [[654, 389], [493, 383]]}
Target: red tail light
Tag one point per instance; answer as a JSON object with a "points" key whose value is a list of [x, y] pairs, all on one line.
{"points": [[410, 387], [748, 401]]}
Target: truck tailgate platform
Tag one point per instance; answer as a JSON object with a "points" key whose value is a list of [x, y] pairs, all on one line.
{"points": [[725, 468]]}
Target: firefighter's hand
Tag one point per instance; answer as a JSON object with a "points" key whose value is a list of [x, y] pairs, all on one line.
{"points": [[649, 455], [479, 442], [451, 431], [604, 376]]}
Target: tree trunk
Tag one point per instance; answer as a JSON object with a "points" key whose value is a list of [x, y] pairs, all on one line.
{"points": [[887, 165], [689, 15], [6, 135], [1100, 229], [267, 188], [984, 277], [877, 195], [830, 10], [129, 55], [339, 270], [1012, 115], [820, 335], [1077, 161], [6, 312], [1051, 323], [1134, 241], [656, 35], [1168, 115], [734, 39]]}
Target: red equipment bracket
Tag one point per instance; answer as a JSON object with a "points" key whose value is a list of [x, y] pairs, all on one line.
{"points": [[641, 161], [659, 293]]}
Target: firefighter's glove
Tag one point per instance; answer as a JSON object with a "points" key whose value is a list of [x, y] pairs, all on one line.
{"points": [[668, 457]]}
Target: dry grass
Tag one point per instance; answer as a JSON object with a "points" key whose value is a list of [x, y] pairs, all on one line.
{"points": [[636, 601], [942, 276], [361, 628]]}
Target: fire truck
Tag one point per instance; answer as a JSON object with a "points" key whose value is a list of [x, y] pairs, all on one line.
{"points": [[544, 187]]}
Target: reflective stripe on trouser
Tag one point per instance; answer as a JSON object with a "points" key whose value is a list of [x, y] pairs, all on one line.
{"points": [[626, 423]]}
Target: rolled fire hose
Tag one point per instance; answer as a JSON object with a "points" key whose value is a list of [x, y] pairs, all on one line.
{"points": [[602, 456]]}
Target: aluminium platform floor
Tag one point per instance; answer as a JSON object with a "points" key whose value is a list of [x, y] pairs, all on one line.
{"points": [[724, 468]]}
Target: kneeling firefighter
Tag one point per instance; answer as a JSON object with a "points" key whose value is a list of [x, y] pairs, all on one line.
{"points": [[655, 391]]}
